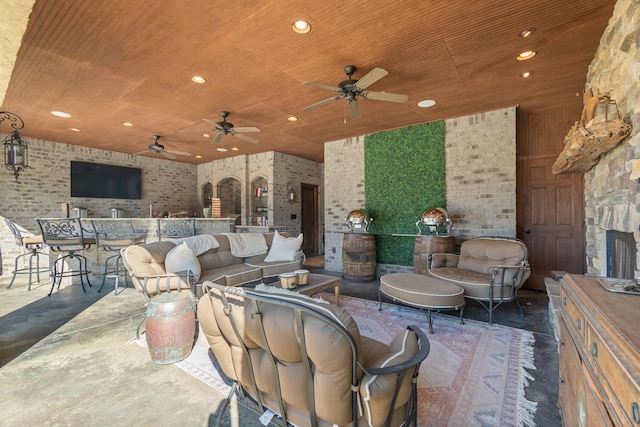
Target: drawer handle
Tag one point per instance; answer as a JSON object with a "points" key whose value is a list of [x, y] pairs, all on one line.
{"points": [[579, 324], [635, 412], [564, 301], [594, 349]]}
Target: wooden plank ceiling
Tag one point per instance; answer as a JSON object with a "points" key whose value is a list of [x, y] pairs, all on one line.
{"points": [[118, 61]]}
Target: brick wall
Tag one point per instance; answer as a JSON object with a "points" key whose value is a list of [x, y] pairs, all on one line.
{"points": [[612, 199], [480, 152], [45, 187], [481, 181]]}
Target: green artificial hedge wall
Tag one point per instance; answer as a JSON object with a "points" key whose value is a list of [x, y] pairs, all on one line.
{"points": [[405, 174]]}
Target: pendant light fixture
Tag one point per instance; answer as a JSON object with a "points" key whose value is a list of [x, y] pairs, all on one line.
{"points": [[15, 148]]}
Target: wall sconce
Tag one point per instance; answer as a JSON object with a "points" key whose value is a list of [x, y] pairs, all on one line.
{"points": [[15, 148], [291, 195]]}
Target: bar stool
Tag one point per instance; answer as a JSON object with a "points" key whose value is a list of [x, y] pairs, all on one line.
{"points": [[176, 228], [66, 237], [32, 245], [113, 236]]}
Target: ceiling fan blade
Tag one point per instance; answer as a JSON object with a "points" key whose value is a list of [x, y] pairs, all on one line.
{"points": [[385, 96], [179, 153], [321, 103], [322, 86], [217, 138], [211, 122], [245, 137], [354, 109], [371, 77], [246, 129], [197, 130], [141, 152], [167, 155]]}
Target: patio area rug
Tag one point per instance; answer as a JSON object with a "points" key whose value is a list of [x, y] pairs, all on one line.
{"points": [[475, 374]]}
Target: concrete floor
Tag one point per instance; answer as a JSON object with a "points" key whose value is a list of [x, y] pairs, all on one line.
{"points": [[66, 360]]}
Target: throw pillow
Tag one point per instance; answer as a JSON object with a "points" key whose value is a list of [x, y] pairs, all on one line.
{"points": [[182, 258], [284, 248]]}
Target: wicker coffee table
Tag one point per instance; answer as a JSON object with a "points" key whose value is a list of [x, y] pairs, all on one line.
{"points": [[318, 283]]}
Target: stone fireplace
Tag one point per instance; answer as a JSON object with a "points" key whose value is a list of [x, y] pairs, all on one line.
{"points": [[611, 187], [621, 254]]}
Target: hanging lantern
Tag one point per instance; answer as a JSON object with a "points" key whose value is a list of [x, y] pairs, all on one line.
{"points": [[606, 110], [15, 148]]}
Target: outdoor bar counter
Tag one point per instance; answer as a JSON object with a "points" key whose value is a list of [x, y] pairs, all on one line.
{"points": [[148, 227]]}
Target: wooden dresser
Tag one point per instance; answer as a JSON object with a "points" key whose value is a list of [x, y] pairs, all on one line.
{"points": [[599, 355]]}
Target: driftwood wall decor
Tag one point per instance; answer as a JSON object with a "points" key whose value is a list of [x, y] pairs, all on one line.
{"points": [[588, 139]]}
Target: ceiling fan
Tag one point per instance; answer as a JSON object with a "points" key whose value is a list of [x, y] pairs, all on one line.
{"points": [[158, 148], [227, 128], [352, 88]]}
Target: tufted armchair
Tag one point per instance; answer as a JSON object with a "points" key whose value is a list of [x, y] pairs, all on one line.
{"points": [[305, 360], [489, 269]]}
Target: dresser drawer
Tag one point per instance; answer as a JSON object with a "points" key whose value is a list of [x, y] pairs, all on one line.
{"points": [[579, 401], [622, 393], [573, 317]]}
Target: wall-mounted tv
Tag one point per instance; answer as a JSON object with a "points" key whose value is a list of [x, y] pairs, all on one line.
{"points": [[101, 181]]}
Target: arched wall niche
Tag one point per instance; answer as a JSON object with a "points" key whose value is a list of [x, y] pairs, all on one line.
{"points": [[229, 190]]}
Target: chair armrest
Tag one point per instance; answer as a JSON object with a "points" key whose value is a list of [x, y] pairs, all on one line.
{"points": [[516, 275], [425, 347], [439, 260], [151, 285], [392, 384]]}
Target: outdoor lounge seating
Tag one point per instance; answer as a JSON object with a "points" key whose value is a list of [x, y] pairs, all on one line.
{"points": [[305, 359], [489, 269], [214, 259]]}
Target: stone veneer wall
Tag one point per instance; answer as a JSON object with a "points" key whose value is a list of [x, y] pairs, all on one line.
{"points": [[481, 181], [612, 200], [43, 189]]}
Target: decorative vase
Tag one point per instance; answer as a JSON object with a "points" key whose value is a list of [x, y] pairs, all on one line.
{"points": [[206, 212]]}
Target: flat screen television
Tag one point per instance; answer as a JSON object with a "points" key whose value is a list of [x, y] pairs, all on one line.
{"points": [[95, 180]]}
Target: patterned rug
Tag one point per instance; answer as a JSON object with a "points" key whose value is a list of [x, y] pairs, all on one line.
{"points": [[475, 374]]}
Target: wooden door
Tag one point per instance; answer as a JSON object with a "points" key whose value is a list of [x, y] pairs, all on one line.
{"points": [[551, 224], [309, 218]]}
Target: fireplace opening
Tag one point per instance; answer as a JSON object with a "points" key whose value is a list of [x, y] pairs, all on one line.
{"points": [[621, 254]]}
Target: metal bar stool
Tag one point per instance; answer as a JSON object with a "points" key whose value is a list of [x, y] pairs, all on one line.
{"points": [[175, 228], [31, 247], [113, 236], [66, 237]]}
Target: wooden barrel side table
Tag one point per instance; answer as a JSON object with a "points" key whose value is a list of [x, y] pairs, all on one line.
{"points": [[425, 246], [359, 257]]}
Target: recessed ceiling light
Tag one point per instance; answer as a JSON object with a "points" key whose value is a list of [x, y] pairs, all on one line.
{"points": [[526, 55], [526, 32], [198, 79], [198, 157], [221, 149], [292, 118], [206, 135], [75, 129], [426, 103], [61, 114], [526, 74], [301, 27], [235, 149], [127, 124]]}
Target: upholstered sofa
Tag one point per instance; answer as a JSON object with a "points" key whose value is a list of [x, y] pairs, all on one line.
{"points": [[489, 269], [304, 359], [188, 262]]}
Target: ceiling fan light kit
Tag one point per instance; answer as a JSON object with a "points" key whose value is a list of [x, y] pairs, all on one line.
{"points": [[351, 88]]}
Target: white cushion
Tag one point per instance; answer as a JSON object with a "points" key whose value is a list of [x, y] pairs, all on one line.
{"points": [[182, 258], [200, 243], [284, 248]]}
